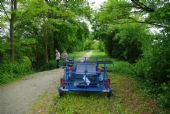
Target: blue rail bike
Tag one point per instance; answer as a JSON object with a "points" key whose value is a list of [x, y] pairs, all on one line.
{"points": [[85, 75]]}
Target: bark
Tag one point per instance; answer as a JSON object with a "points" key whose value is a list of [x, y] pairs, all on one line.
{"points": [[46, 44], [13, 8], [2, 57]]}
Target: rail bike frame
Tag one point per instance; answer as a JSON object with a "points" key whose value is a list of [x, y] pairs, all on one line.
{"points": [[85, 75]]}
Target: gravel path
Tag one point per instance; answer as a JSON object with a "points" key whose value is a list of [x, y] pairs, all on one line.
{"points": [[18, 97], [87, 55]]}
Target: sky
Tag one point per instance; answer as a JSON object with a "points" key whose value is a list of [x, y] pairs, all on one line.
{"points": [[96, 4]]}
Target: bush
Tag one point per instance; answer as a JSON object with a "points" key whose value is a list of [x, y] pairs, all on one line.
{"points": [[101, 46], [122, 67], [49, 66], [10, 71], [88, 44], [6, 77], [164, 95], [95, 45], [141, 69]]}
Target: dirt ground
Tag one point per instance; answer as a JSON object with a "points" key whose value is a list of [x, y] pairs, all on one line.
{"points": [[18, 97]]}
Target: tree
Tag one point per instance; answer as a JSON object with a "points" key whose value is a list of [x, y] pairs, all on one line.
{"points": [[127, 29], [157, 11], [12, 20], [13, 8], [47, 21]]}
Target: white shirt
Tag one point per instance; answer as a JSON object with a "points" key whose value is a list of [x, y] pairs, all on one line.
{"points": [[57, 56]]}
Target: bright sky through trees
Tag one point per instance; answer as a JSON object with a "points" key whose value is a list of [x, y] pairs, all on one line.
{"points": [[96, 4]]}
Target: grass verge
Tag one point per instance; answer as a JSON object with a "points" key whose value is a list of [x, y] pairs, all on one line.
{"points": [[44, 103], [77, 55], [127, 98]]}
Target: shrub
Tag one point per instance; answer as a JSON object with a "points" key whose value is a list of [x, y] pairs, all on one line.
{"points": [[49, 66], [164, 95], [6, 77], [10, 71], [141, 69], [95, 45], [122, 67]]}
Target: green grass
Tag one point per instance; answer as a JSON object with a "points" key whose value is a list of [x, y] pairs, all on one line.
{"points": [[77, 55], [97, 53], [127, 98], [118, 66], [43, 104]]}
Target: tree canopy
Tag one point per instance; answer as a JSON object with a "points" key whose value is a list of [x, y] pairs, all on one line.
{"points": [[43, 26]]}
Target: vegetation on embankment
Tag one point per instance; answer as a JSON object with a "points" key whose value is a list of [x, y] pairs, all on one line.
{"points": [[160, 92], [129, 35]]}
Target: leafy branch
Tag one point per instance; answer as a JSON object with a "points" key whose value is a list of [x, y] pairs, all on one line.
{"points": [[4, 10], [142, 6]]}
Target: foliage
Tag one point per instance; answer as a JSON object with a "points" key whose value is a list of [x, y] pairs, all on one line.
{"points": [[48, 66], [124, 29], [123, 67], [88, 44], [163, 96], [122, 40], [9, 72], [41, 27], [154, 67], [127, 30], [96, 45]]}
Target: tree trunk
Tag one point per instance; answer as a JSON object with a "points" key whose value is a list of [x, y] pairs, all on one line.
{"points": [[1, 57], [13, 8], [46, 44], [12, 39]]}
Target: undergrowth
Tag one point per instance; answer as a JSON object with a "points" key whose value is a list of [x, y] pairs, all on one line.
{"points": [[10, 72]]}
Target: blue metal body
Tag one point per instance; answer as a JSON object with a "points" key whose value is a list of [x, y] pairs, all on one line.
{"points": [[85, 76]]}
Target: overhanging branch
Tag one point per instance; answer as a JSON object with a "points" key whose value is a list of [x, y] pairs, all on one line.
{"points": [[150, 22], [4, 10], [142, 6]]}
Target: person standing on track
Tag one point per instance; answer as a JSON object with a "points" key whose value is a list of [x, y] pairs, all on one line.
{"points": [[64, 57], [57, 57]]}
